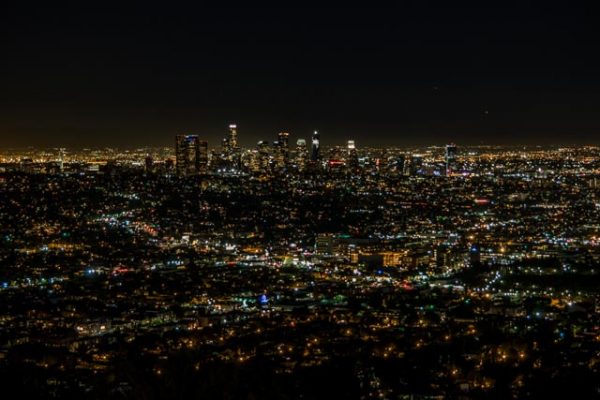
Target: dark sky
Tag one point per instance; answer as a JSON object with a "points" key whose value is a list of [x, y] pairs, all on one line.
{"points": [[418, 73]]}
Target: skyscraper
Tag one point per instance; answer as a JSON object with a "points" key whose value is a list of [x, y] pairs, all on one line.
{"points": [[351, 146], [399, 167], [61, 158], [187, 154], [352, 156], [283, 139], [314, 151], [301, 154], [231, 154], [263, 156], [225, 147], [203, 156], [233, 143], [282, 149], [416, 164], [451, 164]]}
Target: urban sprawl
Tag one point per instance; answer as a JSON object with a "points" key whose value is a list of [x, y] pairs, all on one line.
{"points": [[294, 270]]}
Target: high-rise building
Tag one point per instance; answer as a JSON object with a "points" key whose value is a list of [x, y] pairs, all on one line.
{"points": [[283, 138], [61, 159], [263, 155], [416, 164], [187, 154], [233, 143], [451, 155], [351, 146], [281, 149], [301, 154], [225, 147], [399, 167], [203, 156], [231, 154], [314, 151], [352, 155]]}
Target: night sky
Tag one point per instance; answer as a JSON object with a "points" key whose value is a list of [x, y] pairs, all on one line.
{"points": [[132, 76]]}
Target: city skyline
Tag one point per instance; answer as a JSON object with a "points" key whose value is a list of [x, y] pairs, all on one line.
{"points": [[251, 141]]}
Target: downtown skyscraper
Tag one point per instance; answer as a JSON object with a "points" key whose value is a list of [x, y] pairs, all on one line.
{"points": [[314, 151], [191, 155]]}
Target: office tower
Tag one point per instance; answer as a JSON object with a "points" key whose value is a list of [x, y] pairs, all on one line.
{"points": [[61, 159], [231, 155], [252, 161], [352, 156], [314, 151], [203, 156], [225, 148], [278, 158], [416, 164], [351, 146], [281, 149], [324, 243], [263, 155], [400, 160], [233, 144], [283, 139], [451, 164], [187, 154], [301, 154]]}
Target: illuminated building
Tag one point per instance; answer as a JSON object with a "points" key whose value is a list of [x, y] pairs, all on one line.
{"points": [[324, 243], [301, 154], [233, 143], [393, 258], [314, 151], [283, 139], [251, 161], [225, 148], [203, 156], [187, 154], [416, 164], [352, 155], [231, 149], [61, 157], [281, 149], [400, 161], [451, 165], [263, 155]]}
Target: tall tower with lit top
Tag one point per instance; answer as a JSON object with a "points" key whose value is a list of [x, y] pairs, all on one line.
{"points": [[314, 151]]}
